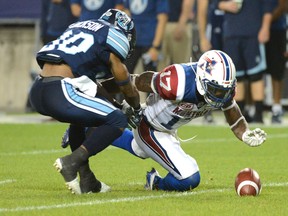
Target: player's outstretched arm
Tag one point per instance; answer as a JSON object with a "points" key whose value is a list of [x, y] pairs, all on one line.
{"points": [[239, 126], [141, 81]]}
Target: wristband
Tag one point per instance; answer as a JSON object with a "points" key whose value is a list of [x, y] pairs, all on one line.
{"points": [[123, 82]]}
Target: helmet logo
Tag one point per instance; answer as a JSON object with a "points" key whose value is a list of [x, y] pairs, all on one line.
{"points": [[108, 13], [124, 21], [208, 65]]}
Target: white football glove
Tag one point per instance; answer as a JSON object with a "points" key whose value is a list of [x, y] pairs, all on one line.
{"points": [[254, 138], [126, 108], [134, 116]]}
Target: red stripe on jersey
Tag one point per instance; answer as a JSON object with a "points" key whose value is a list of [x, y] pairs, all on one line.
{"points": [[167, 83], [145, 133]]}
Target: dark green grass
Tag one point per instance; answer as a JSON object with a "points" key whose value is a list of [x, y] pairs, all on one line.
{"points": [[29, 184]]}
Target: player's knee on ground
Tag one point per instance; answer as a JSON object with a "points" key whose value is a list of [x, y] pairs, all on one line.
{"points": [[170, 183]]}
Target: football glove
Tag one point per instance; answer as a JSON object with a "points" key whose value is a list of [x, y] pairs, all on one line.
{"points": [[254, 138], [134, 116]]}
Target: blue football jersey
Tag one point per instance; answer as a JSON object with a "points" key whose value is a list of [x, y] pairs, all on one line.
{"points": [[86, 47]]}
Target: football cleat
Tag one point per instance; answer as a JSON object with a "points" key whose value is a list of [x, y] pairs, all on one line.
{"points": [[90, 184], [104, 188], [65, 139], [150, 178], [276, 119], [69, 173]]}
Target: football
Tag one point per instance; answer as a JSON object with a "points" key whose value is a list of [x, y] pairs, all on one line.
{"points": [[247, 183]]}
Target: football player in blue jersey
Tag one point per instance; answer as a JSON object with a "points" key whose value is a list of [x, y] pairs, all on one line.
{"points": [[246, 26], [66, 89]]}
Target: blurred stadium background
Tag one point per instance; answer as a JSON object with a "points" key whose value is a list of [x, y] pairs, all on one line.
{"points": [[20, 40]]}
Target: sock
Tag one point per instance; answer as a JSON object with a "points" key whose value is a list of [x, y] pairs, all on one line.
{"points": [[79, 156], [88, 182], [277, 109], [100, 138], [170, 183], [84, 169], [125, 141], [258, 111], [76, 136]]}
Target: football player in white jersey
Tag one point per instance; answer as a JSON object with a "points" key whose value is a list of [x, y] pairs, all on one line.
{"points": [[178, 94]]}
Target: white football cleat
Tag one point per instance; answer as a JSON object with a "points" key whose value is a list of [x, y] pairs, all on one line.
{"points": [[104, 188], [69, 175]]}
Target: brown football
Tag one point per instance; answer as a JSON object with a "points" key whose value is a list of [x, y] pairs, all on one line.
{"points": [[247, 183]]}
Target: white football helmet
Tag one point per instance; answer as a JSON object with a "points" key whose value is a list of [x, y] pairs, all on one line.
{"points": [[216, 77]]}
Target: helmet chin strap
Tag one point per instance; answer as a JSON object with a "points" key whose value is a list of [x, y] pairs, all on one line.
{"points": [[199, 86]]}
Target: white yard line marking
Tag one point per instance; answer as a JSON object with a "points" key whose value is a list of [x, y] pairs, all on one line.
{"points": [[197, 140], [125, 199], [282, 184], [100, 202], [36, 152], [7, 181]]}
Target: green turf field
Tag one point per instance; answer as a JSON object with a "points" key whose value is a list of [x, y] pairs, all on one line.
{"points": [[29, 184]]}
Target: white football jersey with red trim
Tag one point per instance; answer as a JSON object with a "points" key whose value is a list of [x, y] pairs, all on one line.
{"points": [[175, 100]]}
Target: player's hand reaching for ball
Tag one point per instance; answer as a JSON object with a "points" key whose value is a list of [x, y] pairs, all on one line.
{"points": [[254, 137]]}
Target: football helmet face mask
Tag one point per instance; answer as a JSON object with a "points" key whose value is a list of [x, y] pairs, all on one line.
{"points": [[121, 20], [216, 78]]}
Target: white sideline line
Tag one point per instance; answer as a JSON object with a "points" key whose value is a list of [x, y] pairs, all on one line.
{"points": [[127, 199], [206, 140], [36, 152], [7, 181], [276, 184], [100, 202]]}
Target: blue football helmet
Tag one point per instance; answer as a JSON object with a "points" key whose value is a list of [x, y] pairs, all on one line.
{"points": [[122, 21]]}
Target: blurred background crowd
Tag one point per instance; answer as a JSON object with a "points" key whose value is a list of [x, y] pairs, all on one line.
{"points": [[253, 32]]}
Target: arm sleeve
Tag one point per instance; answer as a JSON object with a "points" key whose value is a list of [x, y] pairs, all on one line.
{"points": [[118, 43], [165, 83]]}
